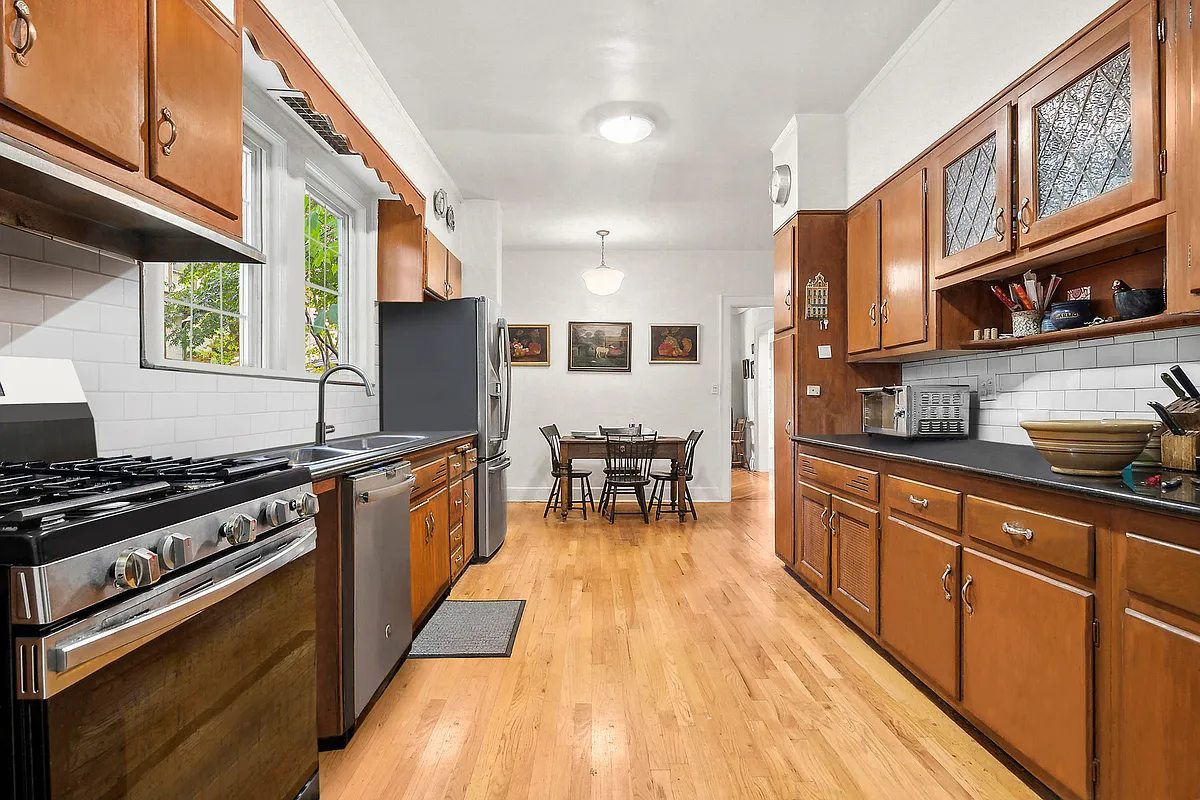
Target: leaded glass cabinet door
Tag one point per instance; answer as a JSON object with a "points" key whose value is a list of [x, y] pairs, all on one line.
{"points": [[1088, 132], [970, 191]]}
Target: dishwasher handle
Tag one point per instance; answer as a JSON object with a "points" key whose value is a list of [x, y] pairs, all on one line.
{"points": [[388, 491]]}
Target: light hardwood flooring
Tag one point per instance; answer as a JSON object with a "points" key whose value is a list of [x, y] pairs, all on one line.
{"points": [[660, 661]]}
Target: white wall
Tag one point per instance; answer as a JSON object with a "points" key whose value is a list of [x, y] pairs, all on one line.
{"points": [[814, 146], [963, 54], [659, 287], [481, 224], [1111, 378]]}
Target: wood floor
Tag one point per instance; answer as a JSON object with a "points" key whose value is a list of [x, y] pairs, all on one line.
{"points": [[662, 661]]}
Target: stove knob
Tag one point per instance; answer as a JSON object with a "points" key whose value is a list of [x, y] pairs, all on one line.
{"points": [[275, 512], [135, 568], [175, 550], [239, 529], [308, 504]]}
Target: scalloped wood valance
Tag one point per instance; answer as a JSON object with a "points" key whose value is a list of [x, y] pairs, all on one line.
{"points": [[273, 43]]}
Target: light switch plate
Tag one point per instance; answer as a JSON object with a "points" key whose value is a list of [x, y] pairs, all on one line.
{"points": [[824, 351], [716, 389], [813, 391]]}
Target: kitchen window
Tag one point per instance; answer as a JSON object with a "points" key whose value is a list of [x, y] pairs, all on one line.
{"points": [[325, 246]]}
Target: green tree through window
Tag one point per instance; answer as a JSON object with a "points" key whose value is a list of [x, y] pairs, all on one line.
{"points": [[202, 313], [323, 252]]}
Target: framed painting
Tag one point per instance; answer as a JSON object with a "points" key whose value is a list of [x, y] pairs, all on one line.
{"points": [[529, 345], [674, 344], [599, 346]]}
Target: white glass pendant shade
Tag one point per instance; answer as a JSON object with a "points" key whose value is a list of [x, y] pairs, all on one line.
{"points": [[603, 280]]}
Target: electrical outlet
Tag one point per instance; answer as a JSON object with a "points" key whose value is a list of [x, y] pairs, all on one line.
{"points": [[988, 390], [813, 391]]}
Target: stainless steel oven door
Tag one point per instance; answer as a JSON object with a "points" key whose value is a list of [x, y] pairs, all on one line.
{"points": [[204, 687]]}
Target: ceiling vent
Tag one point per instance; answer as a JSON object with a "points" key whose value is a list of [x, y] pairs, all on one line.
{"points": [[320, 124]]}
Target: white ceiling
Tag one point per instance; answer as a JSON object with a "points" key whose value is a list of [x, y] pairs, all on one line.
{"points": [[507, 94]]}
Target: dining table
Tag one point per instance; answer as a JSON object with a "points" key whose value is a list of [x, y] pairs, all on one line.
{"points": [[581, 448]]}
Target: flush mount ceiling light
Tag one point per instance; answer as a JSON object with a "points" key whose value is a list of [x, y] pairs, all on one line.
{"points": [[625, 129], [603, 279]]}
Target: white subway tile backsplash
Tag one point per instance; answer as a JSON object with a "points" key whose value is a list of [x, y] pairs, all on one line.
{"points": [[16, 242], [1188, 348], [1079, 358], [1099, 378], [1065, 379], [1114, 355], [1154, 351], [34, 276], [1036, 381], [1049, 361], [41, 342], [96, 287], [100, 347], [138, 405], [71, 255], [21, 307], [1022, 363], [1116, 399]]}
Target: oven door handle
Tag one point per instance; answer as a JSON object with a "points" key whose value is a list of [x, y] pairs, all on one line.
{"points": [[73, 654]]}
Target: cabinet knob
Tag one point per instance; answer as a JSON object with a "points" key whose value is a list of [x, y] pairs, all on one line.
{"points": [[169, 143], [22, 49]]}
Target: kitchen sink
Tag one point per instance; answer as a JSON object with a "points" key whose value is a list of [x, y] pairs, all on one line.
{"points": [[311, 455], [378, 441]]}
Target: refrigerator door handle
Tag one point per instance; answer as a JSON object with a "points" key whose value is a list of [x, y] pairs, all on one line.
{"points": [[505, 346], [500, 465]]}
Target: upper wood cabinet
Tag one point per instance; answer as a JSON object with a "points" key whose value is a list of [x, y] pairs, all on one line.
{"points": [[813, 536], [79, 70], [1088, 133], [855, 530], [970, 194], [918, 590], [785, 277], [400, 274], [453, 276], [1027, 667], [785, 409], [437, 264], [195, 131], [904, 295], [862, 278]]}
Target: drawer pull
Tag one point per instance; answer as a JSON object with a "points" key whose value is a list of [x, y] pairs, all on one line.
{"points": [[966, 602], [945, 585], [1017, 530], [918, 501]]}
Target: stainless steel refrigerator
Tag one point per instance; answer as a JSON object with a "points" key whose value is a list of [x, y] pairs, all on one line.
{"points": [[445, 367]]}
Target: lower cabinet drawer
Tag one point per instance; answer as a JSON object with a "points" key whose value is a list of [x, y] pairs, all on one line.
{"points": [[456, 538], [855, 481], [923, 501], [919, 601], [1056, 541], [456, 503], [1167, 573], [427, 476], [1027, 667], [458, 563]]}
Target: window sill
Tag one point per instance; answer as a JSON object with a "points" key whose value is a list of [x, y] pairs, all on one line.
{"points": [[244, 372]]}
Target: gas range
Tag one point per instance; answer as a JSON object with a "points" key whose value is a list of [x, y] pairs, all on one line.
{"points": [[78, 533]]}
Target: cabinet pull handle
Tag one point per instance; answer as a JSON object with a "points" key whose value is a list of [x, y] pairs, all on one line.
{"points": [[1017, 530], [999, 226], [871, 314], [824, 511], [21, 52], [466, 496], [169, 143], [918, 501], [787, 298], [833, 524], [1021, 215], [945, 585], [966, 602], [787, 427], [883, 311]]}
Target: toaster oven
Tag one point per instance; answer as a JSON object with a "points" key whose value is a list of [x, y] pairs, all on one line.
{"points": [[917, 411]]}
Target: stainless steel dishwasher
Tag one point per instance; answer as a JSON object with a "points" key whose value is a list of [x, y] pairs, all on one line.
{"points": [[377, 603]]}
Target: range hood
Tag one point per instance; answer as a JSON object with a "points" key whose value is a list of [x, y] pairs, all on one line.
{"points": [[42, 194]]}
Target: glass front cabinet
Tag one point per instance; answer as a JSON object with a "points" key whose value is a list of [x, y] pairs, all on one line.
{"points": [[1088, 133], [970, 195]]}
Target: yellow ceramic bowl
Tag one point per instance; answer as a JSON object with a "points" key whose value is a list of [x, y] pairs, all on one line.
{"points": [[1099, 448]]}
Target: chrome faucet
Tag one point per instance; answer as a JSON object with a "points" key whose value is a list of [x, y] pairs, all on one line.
{"points": [[321, 429]]}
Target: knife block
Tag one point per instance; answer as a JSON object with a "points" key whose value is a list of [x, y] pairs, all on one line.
{"points": [[1186, 412], [1179, 452]]}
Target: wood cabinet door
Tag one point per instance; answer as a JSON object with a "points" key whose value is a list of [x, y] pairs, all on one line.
{"points": [[1159, 706], [79, 68], [855, 542], [785, 414], [195, 127], [429, 551], [813, 536], [400, 276], [903, 279], [970, 195], [453, 276], [437, 260], [918, 601], [862, 279], [785, 277], [469, 517], [1027, 661], [1088, 133], [439, 543]]}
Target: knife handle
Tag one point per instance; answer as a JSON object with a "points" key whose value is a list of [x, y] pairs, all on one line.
{"points": [[1173, 386], [1168, 420], [1185, 382]]}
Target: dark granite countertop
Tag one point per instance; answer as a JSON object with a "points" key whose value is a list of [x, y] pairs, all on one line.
{"points": [[1021, 464]]}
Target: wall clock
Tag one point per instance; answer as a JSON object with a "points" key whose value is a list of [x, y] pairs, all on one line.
{"points": [[781, 184], [439, 203], [450, 217]]}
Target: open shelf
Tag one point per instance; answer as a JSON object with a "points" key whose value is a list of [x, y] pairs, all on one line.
{"points": [[1155, 323]]}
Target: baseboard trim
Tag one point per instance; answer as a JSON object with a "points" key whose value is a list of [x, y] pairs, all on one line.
{"points": [[538, 494]]}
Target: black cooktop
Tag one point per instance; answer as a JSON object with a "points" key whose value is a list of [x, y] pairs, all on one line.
{"points": [[54, 510]]}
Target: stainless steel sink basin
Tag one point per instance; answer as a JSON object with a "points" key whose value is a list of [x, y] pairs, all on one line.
{"points": [[378, 441], [311, 455]]}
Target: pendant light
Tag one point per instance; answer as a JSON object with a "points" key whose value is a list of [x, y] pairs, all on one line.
{"points": [[603, 279]]}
